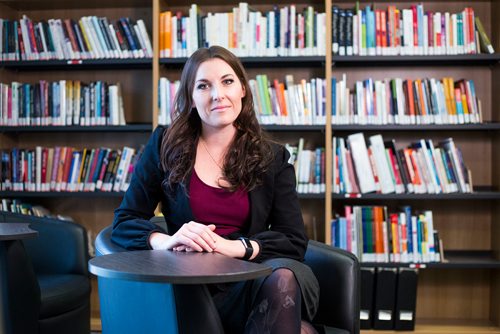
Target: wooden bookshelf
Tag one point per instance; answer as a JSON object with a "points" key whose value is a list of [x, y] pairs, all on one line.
{"points": [[461, 295]]}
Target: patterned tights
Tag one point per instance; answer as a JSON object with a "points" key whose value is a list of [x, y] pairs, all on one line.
{"points": [[277, 308]]}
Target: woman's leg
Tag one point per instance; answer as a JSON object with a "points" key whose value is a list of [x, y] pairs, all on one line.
{"points": [[277, 305]]}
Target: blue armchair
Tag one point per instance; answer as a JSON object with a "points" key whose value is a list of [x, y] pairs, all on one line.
{"points": [[337, 271]]}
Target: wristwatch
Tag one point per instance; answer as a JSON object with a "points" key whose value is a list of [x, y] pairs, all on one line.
{"points": [[248, 248]]}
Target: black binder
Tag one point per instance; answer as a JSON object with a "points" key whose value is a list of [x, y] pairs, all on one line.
{"points": [[406, 299], [367, 291], [385, 298]]}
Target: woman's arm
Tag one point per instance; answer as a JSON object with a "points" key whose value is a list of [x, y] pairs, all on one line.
{"points": [[131, 225], [279, 227]]}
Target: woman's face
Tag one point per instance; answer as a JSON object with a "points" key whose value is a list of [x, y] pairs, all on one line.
{"points": [[217, 93]]}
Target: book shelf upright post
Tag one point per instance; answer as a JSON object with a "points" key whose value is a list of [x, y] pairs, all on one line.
{"points": [[328, 125], [495, 232]]}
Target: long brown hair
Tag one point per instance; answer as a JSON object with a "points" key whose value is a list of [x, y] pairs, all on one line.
{"points": [[250, 153]]}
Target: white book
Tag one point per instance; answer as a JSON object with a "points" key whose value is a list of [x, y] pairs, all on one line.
{"points": [[430, 166], [92, 36], [145, 37], [38, 168], [114, 118], [362, 164], [94, 21], [439, 167], [387, 185], [26, 39], [119, 52], [130, 156], [293, 31], [15, 103], [62, 103], [122, 166], [115, 46], [142, 44]]}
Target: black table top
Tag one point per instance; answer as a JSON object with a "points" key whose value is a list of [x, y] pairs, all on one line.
{"points": [[176, 267], [16, 231]]}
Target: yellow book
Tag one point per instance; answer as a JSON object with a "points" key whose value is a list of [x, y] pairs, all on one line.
{"points": [[162, 34], [231, 31], [168, 34], [85, 37], [451, 89]]}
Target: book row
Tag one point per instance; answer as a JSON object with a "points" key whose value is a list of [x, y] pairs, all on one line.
{"points": [[309, 167], [284, 31], [405, 101], [64, 168], [378, 102], [63, 102], [90, 37], [375, 235], [284, 103], [381, 167], [409, 31], [14, 205]]}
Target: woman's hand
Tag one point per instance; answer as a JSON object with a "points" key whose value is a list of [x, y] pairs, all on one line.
{"points": [[235, 248], [191, 236]]}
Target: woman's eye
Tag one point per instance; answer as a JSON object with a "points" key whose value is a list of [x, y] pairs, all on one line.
{"points": [[202, 86], [228, 81]]}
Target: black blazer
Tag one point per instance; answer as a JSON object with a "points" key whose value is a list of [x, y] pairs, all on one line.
{"points": [[276, 220]]}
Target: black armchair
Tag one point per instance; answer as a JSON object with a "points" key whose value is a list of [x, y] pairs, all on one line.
{"points": [[337, 271], [44, 281]]}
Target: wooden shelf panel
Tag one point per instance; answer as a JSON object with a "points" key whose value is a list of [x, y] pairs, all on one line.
{"points": [[441, 60], [299, 61], [293, 128], [455, 260], [476, 195], [23, 5], [76, 128], [90, 194], [59, 194], [83, 64], [488, 126]]}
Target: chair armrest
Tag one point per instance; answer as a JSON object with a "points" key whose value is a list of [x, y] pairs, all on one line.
{"points": [[338, 273], [61, 247], [104, 245]]}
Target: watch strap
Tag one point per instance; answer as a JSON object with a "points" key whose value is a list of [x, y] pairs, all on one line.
{"points": [[248, 248]]}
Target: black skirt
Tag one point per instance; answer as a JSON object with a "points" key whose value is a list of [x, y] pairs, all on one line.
{"points": [[234, 300]]}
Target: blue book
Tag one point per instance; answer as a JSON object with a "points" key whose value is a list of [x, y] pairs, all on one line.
{"points": [[420, 26], [343, 233], [334, 97], [407, 210]]}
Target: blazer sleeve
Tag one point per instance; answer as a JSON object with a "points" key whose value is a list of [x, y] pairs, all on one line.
{"points": [[131, 225], [283, 233]]}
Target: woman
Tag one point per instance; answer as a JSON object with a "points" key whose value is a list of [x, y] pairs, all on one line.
{"points": [[224, 188]]}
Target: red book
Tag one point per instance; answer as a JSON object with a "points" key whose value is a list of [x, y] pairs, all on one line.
{"points": [[66, 168], [43, 181], [72, 38]]}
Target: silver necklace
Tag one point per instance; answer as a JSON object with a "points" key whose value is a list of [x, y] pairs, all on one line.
{"points": [[210, 155]]}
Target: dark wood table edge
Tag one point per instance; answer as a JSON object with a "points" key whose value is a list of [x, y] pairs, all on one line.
{"points": [[16, 231], [259, 271]]}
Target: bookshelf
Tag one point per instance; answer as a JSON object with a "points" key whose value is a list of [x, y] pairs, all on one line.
{"points": [[461, 295]]}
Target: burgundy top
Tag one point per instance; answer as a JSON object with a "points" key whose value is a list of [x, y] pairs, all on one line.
{"points": [[229, 211]]}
